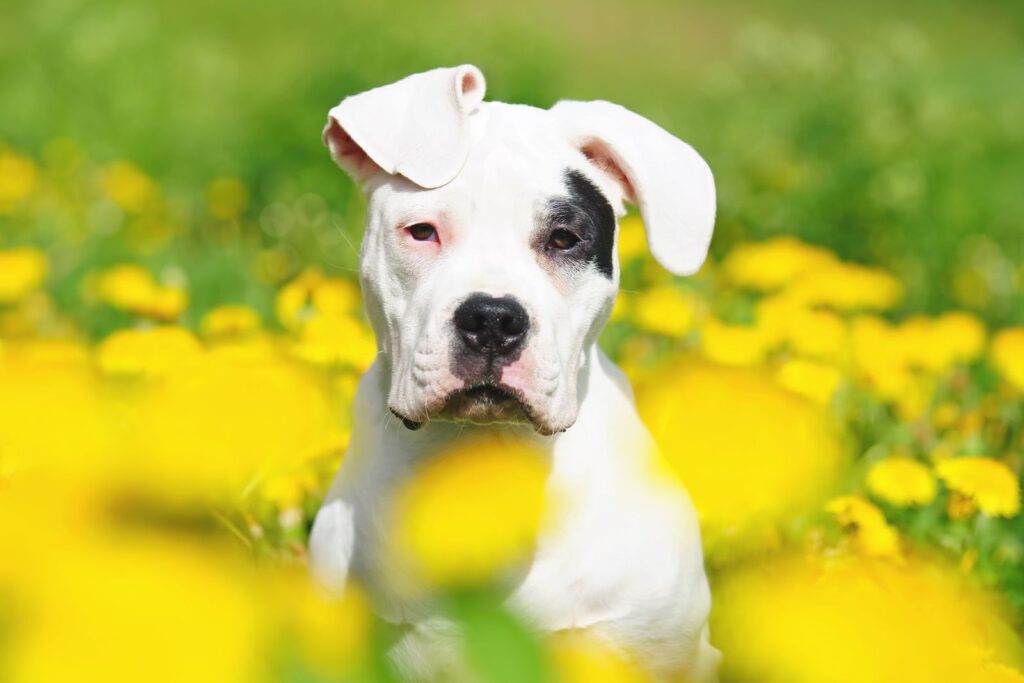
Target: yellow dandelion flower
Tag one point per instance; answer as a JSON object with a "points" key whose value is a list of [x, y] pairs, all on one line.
{"points": [[990, 484], [335, 296], [455, 526], [581, 658], [166, 304], [126, 287], [622, 307], [818, 334], [149, 353], [226, 198], [665, 310], [742, 345], [18, 177], [336, 340], [937, 344], [225, 419], [783, 461], [22, 271], [772, 264], [853, 619], [132, 288], [902, 481], [230, 321], [847, 287], [294, 302], [632, 240], [872, 535], [810, 379], [127, 186], [1007, 353]]}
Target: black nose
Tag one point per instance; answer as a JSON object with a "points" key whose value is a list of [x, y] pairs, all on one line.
{"points": [[491, 325]]}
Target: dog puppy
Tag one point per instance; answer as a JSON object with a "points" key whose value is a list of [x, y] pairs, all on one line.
{"points": [[488, 268]]}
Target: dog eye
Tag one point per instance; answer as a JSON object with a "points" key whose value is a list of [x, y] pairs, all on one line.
{"points": [[423, 232], [562, 239]]}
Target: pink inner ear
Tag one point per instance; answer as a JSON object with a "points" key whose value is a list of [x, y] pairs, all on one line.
{"points": [[599, 154], [347, 153], [469, 83]]}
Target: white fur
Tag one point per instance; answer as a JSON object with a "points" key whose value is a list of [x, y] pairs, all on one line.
{"points": [[626, 561]]}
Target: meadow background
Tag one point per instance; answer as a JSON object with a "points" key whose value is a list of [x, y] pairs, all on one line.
{"points": [[180, 331]]}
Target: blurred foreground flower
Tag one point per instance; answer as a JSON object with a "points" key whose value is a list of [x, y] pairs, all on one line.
{"points": [[580, 657], [749, 452], [147, 352], [472, 511], [22, 271], [990, 484], [856, 619]]}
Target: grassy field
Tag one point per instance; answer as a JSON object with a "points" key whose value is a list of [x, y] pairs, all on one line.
{"points": [[181, 333]]}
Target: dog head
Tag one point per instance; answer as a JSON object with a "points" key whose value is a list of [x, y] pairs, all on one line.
{"points": [[488, 263]]}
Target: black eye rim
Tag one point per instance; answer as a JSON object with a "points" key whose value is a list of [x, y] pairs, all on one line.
{"points": [[425, 229], [562, 231]]}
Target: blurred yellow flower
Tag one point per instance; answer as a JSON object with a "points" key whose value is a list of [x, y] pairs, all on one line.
{"points": [[990, 484], [811, 379], [621, 309], [226, 198], [333, 340], [22, 271], [582, 658], [127, 186], [18, 178], [853, 619], [132, 288], [230, 321], [632, 241], [312, 293], [336, 296], [871, 534], [772, 264], [742, 345], [52, 412], [847, 287], [901, 481], [1007, 354], [147, 352], [666, 310], [226, 420], [471, 511], [749, 451], [937, 344], [127, 287], [818, 334]]}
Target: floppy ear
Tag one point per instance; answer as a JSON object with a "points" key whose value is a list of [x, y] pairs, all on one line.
{"points": [[417, 127], [664, 176]]}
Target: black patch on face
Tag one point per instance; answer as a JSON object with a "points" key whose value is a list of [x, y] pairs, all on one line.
{"points": [[585, 213]]}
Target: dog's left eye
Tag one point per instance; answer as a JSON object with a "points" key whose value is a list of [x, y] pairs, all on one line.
{"points": [[562, 239], [423, 232]]}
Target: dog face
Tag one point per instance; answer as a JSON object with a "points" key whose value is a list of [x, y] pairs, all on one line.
{"points": [[488, 263]]}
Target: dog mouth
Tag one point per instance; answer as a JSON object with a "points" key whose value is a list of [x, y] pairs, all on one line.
{"points": [[482, 404]]}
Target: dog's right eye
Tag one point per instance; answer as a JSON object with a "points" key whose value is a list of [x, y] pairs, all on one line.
{"points": [[423, 232]]}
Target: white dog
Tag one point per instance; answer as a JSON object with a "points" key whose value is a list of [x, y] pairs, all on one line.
{"points": [[488, 269]]}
